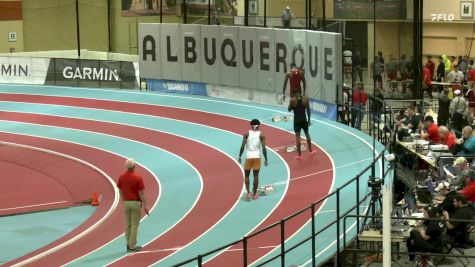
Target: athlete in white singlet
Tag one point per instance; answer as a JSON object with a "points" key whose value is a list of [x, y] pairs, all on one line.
{"points": [[253, 141]]}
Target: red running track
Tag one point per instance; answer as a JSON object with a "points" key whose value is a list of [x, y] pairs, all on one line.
{"points": [[207, 210], [300, 192], [108, 163]]}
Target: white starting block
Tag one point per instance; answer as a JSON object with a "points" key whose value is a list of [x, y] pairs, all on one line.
{"points": [[288, 117], [293, 148], [276, 118], [266, 190]]}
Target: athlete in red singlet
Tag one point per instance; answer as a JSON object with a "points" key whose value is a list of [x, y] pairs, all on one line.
{"points": [[296, 76]]}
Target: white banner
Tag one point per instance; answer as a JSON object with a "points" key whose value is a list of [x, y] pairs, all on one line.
{"points": [[23, 70], [149, 50], [191, 52], [242, 57], [230, 54], [249, 64], [171, 44], [210, 66], [266, 60]]}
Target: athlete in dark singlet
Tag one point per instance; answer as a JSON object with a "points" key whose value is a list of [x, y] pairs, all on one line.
{"points": [[299, 104], [296, 76]]}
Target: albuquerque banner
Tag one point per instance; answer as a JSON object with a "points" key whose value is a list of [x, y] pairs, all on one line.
{"points": [[245, 57]]}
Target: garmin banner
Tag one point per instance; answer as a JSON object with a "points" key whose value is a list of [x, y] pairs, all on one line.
{"points": [[23, 70], [92, 73], [245, 57]]}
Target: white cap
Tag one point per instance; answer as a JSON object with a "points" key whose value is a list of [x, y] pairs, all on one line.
{"points": [[457, 92], [130, 163], [287, 7], [442, 186]]}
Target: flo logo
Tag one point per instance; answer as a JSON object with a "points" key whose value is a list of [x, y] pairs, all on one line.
{"points": [[442, 17]]}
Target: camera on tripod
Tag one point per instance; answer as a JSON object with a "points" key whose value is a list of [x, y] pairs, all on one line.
{"points": [[375, 183]]}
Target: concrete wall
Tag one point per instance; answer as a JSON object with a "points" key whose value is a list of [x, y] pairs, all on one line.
{"points": [[51, 25], [5, 28]]}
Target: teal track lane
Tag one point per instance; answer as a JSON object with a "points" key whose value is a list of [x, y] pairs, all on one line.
{"points": [[350, 155]]}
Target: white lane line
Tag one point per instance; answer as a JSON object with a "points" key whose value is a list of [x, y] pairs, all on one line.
{"points": [[36, 205], [89, 229]]}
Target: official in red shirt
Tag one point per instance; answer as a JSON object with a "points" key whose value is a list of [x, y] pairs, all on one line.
{"points": [[469, 189], [427, 80], [430, 66], [446, 137], [131, 189], [431, 131]]}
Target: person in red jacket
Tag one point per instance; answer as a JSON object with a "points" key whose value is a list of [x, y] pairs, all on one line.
{"points": [[359, 106], [431, 66], [427, 80], [431, 131], [446, 137]]}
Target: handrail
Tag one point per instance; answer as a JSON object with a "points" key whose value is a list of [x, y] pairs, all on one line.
{"points": [[311, 207]]}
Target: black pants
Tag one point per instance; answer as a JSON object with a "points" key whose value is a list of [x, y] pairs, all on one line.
{"points": [[286, 24], [419, 244], [457, 124], [442, 119]]}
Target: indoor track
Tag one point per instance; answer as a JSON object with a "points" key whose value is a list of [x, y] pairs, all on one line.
{"points": [[187, 148]]}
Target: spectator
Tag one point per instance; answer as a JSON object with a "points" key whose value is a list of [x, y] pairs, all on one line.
{"points": [[455, 76], [131, 188], [381, 60], [287, 16], [467, 143], [458, 108], [410, 121], [431, 131], [377, 70], [431, 65], [357, 65], [447, 65], [447, 197], [377, 106], [471, 99], [454, 177], [457, 231], [463, 64], [391, 70], [404, 68], [443, 113], [426, 237], [469, 189], [446, 137], [470, 75], [427, 80], [440, 72], [359, 106], [452, 62]]}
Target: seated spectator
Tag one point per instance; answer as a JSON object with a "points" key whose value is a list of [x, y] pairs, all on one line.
{"points": [[431, 131], [469, 189], [410, 121], [426, 237], [467, 142], [446, 137], [455, 177], [447, 196], [457, 231]]}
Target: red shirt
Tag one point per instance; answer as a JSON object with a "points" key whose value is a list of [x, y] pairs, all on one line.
{"points": [[471, 75], [359, 97], [426, 72], [469, 192], [295, 79], [433, 132], [431, 67], [449, 141], [130, 184]]}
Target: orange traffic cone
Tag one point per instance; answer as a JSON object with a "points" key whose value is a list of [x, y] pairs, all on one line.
{"points": [[95, 199]]}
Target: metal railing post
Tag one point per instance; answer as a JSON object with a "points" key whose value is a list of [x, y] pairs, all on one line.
{"points": [[282, 243], [244, 251], [358, 208], [200, 261], [313, 234], [338, 227]]}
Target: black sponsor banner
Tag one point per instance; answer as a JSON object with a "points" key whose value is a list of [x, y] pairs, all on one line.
{"points": [[91, 73]]}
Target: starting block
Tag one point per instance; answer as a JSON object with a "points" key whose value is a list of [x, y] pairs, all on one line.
{"points": [[276, 118], [293, 148], [266, 190]]}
